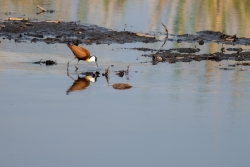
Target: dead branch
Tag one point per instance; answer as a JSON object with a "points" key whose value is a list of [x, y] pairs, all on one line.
{"points": [[44, 10], [165, 28]]}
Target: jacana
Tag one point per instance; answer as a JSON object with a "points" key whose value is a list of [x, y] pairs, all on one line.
{"points": [[81, 54]]}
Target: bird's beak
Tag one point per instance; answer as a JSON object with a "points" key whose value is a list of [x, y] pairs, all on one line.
{"points": [[96, 63]]}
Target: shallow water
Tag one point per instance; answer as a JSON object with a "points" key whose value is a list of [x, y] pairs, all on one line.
{"points": [[182, 114]]}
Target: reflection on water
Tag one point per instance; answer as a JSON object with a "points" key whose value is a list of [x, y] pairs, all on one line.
{"points": [[176, 114], [144, 15], [81, 83]]}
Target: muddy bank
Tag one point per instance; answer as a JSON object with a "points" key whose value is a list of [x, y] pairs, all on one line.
{"points": [[64, 32], [192, 54], [211, 36]]}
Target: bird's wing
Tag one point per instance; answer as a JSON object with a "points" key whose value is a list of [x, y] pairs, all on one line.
{"points": [[79, 52]]}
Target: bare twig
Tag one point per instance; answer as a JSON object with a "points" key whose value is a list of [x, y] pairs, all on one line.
{"points": [[106, 73], [127, 71], [162, 45], [107, 70], [165, 28], [107, 79], [44, 10], [40, 13]]}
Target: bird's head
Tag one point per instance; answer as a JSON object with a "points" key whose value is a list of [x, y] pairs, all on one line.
{"points": [[92, 59]]}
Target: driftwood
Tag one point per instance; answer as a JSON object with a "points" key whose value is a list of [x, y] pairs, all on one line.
{"points": [[43, 10], [28, 24], [17, 19], [53, 21], [144, 35]]}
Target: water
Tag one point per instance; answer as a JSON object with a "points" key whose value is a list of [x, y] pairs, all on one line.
{"points": [[183, 114]]}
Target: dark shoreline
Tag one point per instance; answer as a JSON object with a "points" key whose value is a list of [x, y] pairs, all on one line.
{"points": [[74, 32], [65, 32]]}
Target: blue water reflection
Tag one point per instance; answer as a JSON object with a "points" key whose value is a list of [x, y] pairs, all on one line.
{"points": [[183, 114]]}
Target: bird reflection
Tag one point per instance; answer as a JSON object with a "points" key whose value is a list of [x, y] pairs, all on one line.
{"points": [[82, 82]]}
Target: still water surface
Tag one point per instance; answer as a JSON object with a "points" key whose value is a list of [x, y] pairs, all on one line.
{"points": [[183, 114]]}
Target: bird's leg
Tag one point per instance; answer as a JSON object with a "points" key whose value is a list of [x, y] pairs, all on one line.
{"points": [[77, 64], [71, 60], [68, 63], [70, 76]]}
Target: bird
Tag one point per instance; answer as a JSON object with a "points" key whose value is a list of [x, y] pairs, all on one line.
{"points": [[82, 83], [81, 54]]}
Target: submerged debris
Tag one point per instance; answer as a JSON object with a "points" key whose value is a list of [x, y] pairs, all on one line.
{"points": [[37, 62], [121, 86], [225, 68], [106, 73], [120, 73], [46, 62], [243, 64], [191, 54], [201, 42], [49, 62]]}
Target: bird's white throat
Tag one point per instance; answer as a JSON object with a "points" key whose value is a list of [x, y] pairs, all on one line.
{"points": [[91, 78], [91, 59]]}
